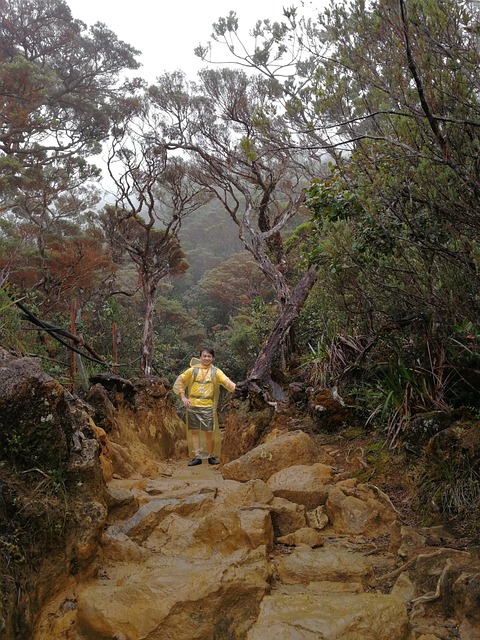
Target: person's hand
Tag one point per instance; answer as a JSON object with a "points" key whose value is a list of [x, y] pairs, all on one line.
{"points": [[186, 402], [241, 389]]}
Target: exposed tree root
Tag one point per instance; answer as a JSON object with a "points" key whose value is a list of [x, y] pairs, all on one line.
{"points": [[433, 595]]}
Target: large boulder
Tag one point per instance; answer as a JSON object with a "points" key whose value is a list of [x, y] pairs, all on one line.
{"points": [[171, 597], [286, 450], [227, 530], [303, 484], [249, 494], [424, 426], [32, 408], [149, 516]]}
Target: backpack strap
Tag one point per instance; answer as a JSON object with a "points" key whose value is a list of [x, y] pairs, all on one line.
{"points": [[213, 373]]}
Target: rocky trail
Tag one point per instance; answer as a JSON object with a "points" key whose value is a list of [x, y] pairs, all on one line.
{"points": [[260, 549]]}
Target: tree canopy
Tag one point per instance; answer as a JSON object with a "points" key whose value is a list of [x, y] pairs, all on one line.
{"points": [[342, 149]]}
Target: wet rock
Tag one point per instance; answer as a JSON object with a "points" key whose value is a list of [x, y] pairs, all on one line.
{"points": [[197, 560], [105, 451], [140, 417], [268, 458], [177, 598], [466, 597], [304, 565], [403, 588], [118, 547], [303, 484], [331, 617], [123, 465], [436, 536], [91, 518], [287, 516], [121, 503], [357, 514], [249, 494], [246, 426], [114, 382], [52, 508], [431, 565], [424, 426], [202, 550], [447, 581], [32, 411], [405, 540], [104, 414], [174, 537], [304, 536], [469, 631], [140, 526], [228, 530]]}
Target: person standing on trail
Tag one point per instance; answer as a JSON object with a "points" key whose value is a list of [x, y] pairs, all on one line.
{"points": [[199, 389]]}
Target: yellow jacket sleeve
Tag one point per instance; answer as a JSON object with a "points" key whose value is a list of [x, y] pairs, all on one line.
{"points": [[225, 381], [181, 383]]}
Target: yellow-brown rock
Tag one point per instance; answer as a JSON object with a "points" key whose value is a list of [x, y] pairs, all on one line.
{"points": [[52, 509], [251, 493], [287, 516], [176, 598], [331, 617], [303, 484], [306, 565], [285, 451], [228, 530], [305, 536], [349, 514]]}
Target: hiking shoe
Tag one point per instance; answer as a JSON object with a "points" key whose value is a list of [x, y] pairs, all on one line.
{"points": [[195, 461], [213, 460]]}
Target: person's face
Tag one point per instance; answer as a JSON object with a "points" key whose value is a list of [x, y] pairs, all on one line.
{"points": [[206, 358]]}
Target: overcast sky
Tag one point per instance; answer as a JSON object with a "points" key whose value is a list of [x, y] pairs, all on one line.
{"points": [[167, 32]]}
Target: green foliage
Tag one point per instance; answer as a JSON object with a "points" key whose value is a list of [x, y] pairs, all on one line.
{"points": [[319, 240], [377, 458], [178, 335], [228, 289], [393, 230], [9, 322], [447, 490], [209, 238], [12, 447], [241, 342]]}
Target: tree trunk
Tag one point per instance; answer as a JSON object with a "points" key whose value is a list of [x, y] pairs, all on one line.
{"points": [[147, 337], [261, 369]]}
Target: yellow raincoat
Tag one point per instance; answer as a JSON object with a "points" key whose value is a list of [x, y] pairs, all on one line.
{"points": [[202, 386]]}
